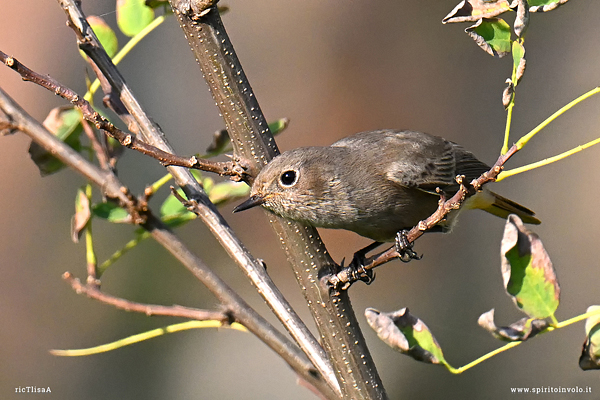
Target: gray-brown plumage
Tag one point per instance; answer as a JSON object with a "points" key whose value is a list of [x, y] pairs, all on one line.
{"points": [[373, 183]]}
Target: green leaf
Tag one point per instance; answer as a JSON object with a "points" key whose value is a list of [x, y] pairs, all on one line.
{"points": [[226, 191], [222, 144], [492, 35], [521, 330], [157, 3], [518, 53], [111, 212], [407, 334], [173, 213], [133, 16], [276, 127], [590, 354], [207, 183], [105, 34], [172, 206], [519, 61], [176, 220], [544, 5], [82, 214], [528, 274], [65, 124], [474, 10]]}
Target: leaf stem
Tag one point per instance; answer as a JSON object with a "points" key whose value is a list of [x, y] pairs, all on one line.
{"points": [[509, 108], [160, 183], [483, 358], [145, 336], [546, 161], [578, 318], [523, 141], [126, 49], [90, 254], [119, 253], [557, 325], [509, 112]]}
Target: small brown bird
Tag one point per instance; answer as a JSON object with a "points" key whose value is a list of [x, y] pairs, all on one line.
{"points": [[374, 183]]}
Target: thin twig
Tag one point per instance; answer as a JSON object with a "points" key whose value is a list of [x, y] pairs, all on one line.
{"points": [[18, 119], [100, 151], [111, 100], [149, 309], [126, 139], [445, 206]]}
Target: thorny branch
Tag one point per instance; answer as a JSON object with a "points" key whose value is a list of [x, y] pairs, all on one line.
{"points": [[126, 139], [343, 278]]}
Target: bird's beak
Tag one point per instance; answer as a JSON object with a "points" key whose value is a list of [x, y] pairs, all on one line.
{"points": [[253, 201]]}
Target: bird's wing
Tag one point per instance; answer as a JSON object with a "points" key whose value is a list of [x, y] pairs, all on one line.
{"points": [[467, 164], [417, 160], [443, 163], [424, 166]]}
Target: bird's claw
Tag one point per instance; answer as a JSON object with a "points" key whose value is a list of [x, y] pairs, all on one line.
{"points": [[360, 273], [404, 248], [356, 270]]}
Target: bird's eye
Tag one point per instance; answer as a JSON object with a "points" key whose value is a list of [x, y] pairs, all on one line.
{"points": [[288, 178]]}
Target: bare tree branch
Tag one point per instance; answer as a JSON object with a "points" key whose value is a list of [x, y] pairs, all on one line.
{"points": [[126, 139], [207, 211], [18, 119], [149, 309], [340, 333], [101, 154]]}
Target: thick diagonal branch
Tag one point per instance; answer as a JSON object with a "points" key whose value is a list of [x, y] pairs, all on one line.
{"points": [[207, 212], [335, 319]]}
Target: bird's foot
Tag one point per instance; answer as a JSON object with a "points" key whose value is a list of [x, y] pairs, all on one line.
{"points": [[405, 248], [357, 270]]}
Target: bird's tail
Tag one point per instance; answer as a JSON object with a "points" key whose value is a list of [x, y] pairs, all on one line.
{"points": [[501, 206]]}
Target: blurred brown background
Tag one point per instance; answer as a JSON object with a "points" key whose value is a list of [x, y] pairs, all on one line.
{"points": [[333, 68]]}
